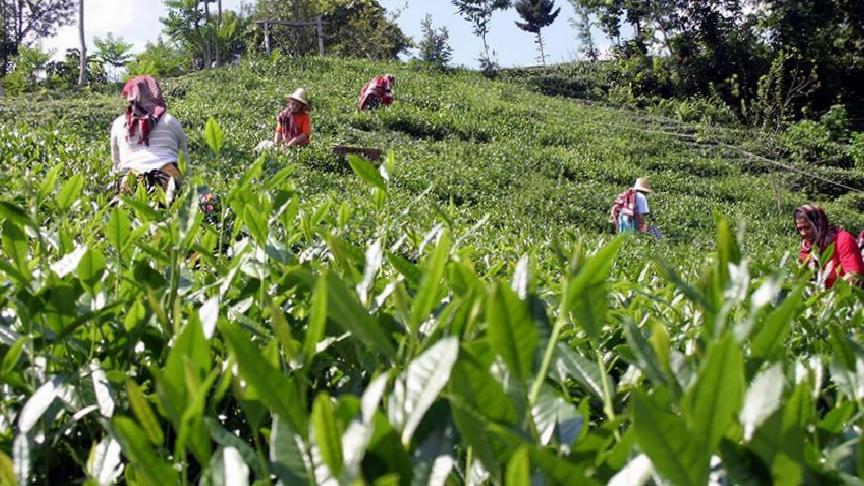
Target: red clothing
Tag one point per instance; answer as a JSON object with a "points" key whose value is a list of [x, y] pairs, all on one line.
{"points": [[378, 91], [846, 258], [291, 125]]}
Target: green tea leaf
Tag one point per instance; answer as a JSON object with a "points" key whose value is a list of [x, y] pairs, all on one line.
{"points": [[286, 454], [681, 457], [118, 229], [511, 331], [711, 404], [144, 414], [768, 343], [70, 192], [519, 467], [151, 469], [91, 268], [16, 248], [586, 295], [14, 213], [213, 135], [12, 356], [326, 433], [257, 225], [367, 172], [7, 471], [262, 376], [418, 387], [317, 320], [47, 185], [430, 282], [344, 310]]}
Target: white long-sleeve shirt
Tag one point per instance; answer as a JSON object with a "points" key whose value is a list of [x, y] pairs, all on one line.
{"points": [[167, 140]]}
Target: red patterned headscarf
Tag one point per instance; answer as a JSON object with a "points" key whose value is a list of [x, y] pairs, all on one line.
{"points": [[825, 233], [143, 92]]}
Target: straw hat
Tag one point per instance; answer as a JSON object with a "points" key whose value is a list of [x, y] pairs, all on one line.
{"points": [[299, 95], [642, 185]]}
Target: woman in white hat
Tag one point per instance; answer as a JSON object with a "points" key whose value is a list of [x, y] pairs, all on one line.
{"points": [[293, 125], [630, 209]]}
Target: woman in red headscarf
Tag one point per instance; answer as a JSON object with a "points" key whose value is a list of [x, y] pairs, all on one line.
{"points": [[146, 140], [378, 91], [817, 235]]}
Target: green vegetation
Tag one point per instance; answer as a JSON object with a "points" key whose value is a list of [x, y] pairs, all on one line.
{"points": [[459, 312]]}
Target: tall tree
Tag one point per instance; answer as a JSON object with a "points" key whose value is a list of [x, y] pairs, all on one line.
{"points": [[582, 23], [537, 14], [82, 58], [434, 47], [25, 21], [479, 14], [192, 27], [113, 51]]}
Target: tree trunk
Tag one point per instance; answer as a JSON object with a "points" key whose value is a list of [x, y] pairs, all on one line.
{"points": [[82, 60], [542, 53], [19, 25], [207, 38], [486, 47], [216, 40]]}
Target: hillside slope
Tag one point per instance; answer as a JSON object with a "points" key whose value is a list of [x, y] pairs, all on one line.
{"points": [[466, 318], [535, 165]]}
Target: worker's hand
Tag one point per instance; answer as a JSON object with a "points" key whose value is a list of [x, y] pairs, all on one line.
{"points": [[852, 278]]}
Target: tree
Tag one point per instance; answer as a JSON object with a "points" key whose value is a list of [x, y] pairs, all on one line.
{"points": [[25, 21], [582, 24], [160, 59], [537, 14], [191, 27], [82, 58], [65, 72], [479, 14], [435, 47], [113, 51], [362, 28]]}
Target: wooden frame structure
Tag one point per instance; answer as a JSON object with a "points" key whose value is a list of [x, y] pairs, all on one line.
{"points": [[317, 23]]}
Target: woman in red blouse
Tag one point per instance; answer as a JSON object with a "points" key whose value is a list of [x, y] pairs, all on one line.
{"points": [[816, 236], [293, 126]]}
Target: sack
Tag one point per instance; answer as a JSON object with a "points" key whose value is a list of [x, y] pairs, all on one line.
{"points": [[264, 145], [860, 241], [623, 214]]}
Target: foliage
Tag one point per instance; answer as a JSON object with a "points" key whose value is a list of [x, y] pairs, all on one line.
{"points": [[113, 51], [159, 59], [28, 64], [479, 13], [457, 313], [24, 22], [536, 14], [362, 29], [65, 73], [190, 25], [435, 46], [583, 25]]}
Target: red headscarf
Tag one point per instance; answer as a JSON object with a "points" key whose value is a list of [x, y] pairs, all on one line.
{"points": [[825, 233], [146, 94]]}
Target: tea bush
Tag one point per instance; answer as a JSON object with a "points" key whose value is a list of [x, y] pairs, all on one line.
{"points": [[458, 314]]}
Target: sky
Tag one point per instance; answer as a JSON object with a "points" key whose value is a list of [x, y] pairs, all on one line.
{"points": [[137, 21]]}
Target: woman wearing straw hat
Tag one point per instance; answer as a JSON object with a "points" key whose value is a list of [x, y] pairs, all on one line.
{"points": [[630, 209], [293, 125]]}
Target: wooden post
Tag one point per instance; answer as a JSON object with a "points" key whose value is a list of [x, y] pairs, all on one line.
{"points": [[776, 184], [320, 28], [267, 38]]}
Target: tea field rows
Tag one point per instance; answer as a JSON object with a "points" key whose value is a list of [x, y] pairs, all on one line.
{"points": [[458, 315]]}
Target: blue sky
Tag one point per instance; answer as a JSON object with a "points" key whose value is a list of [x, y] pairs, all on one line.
{"points": [[137, 21]]}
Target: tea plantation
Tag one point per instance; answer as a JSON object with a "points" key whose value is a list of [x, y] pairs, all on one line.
{"points": [[460, 314]]}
